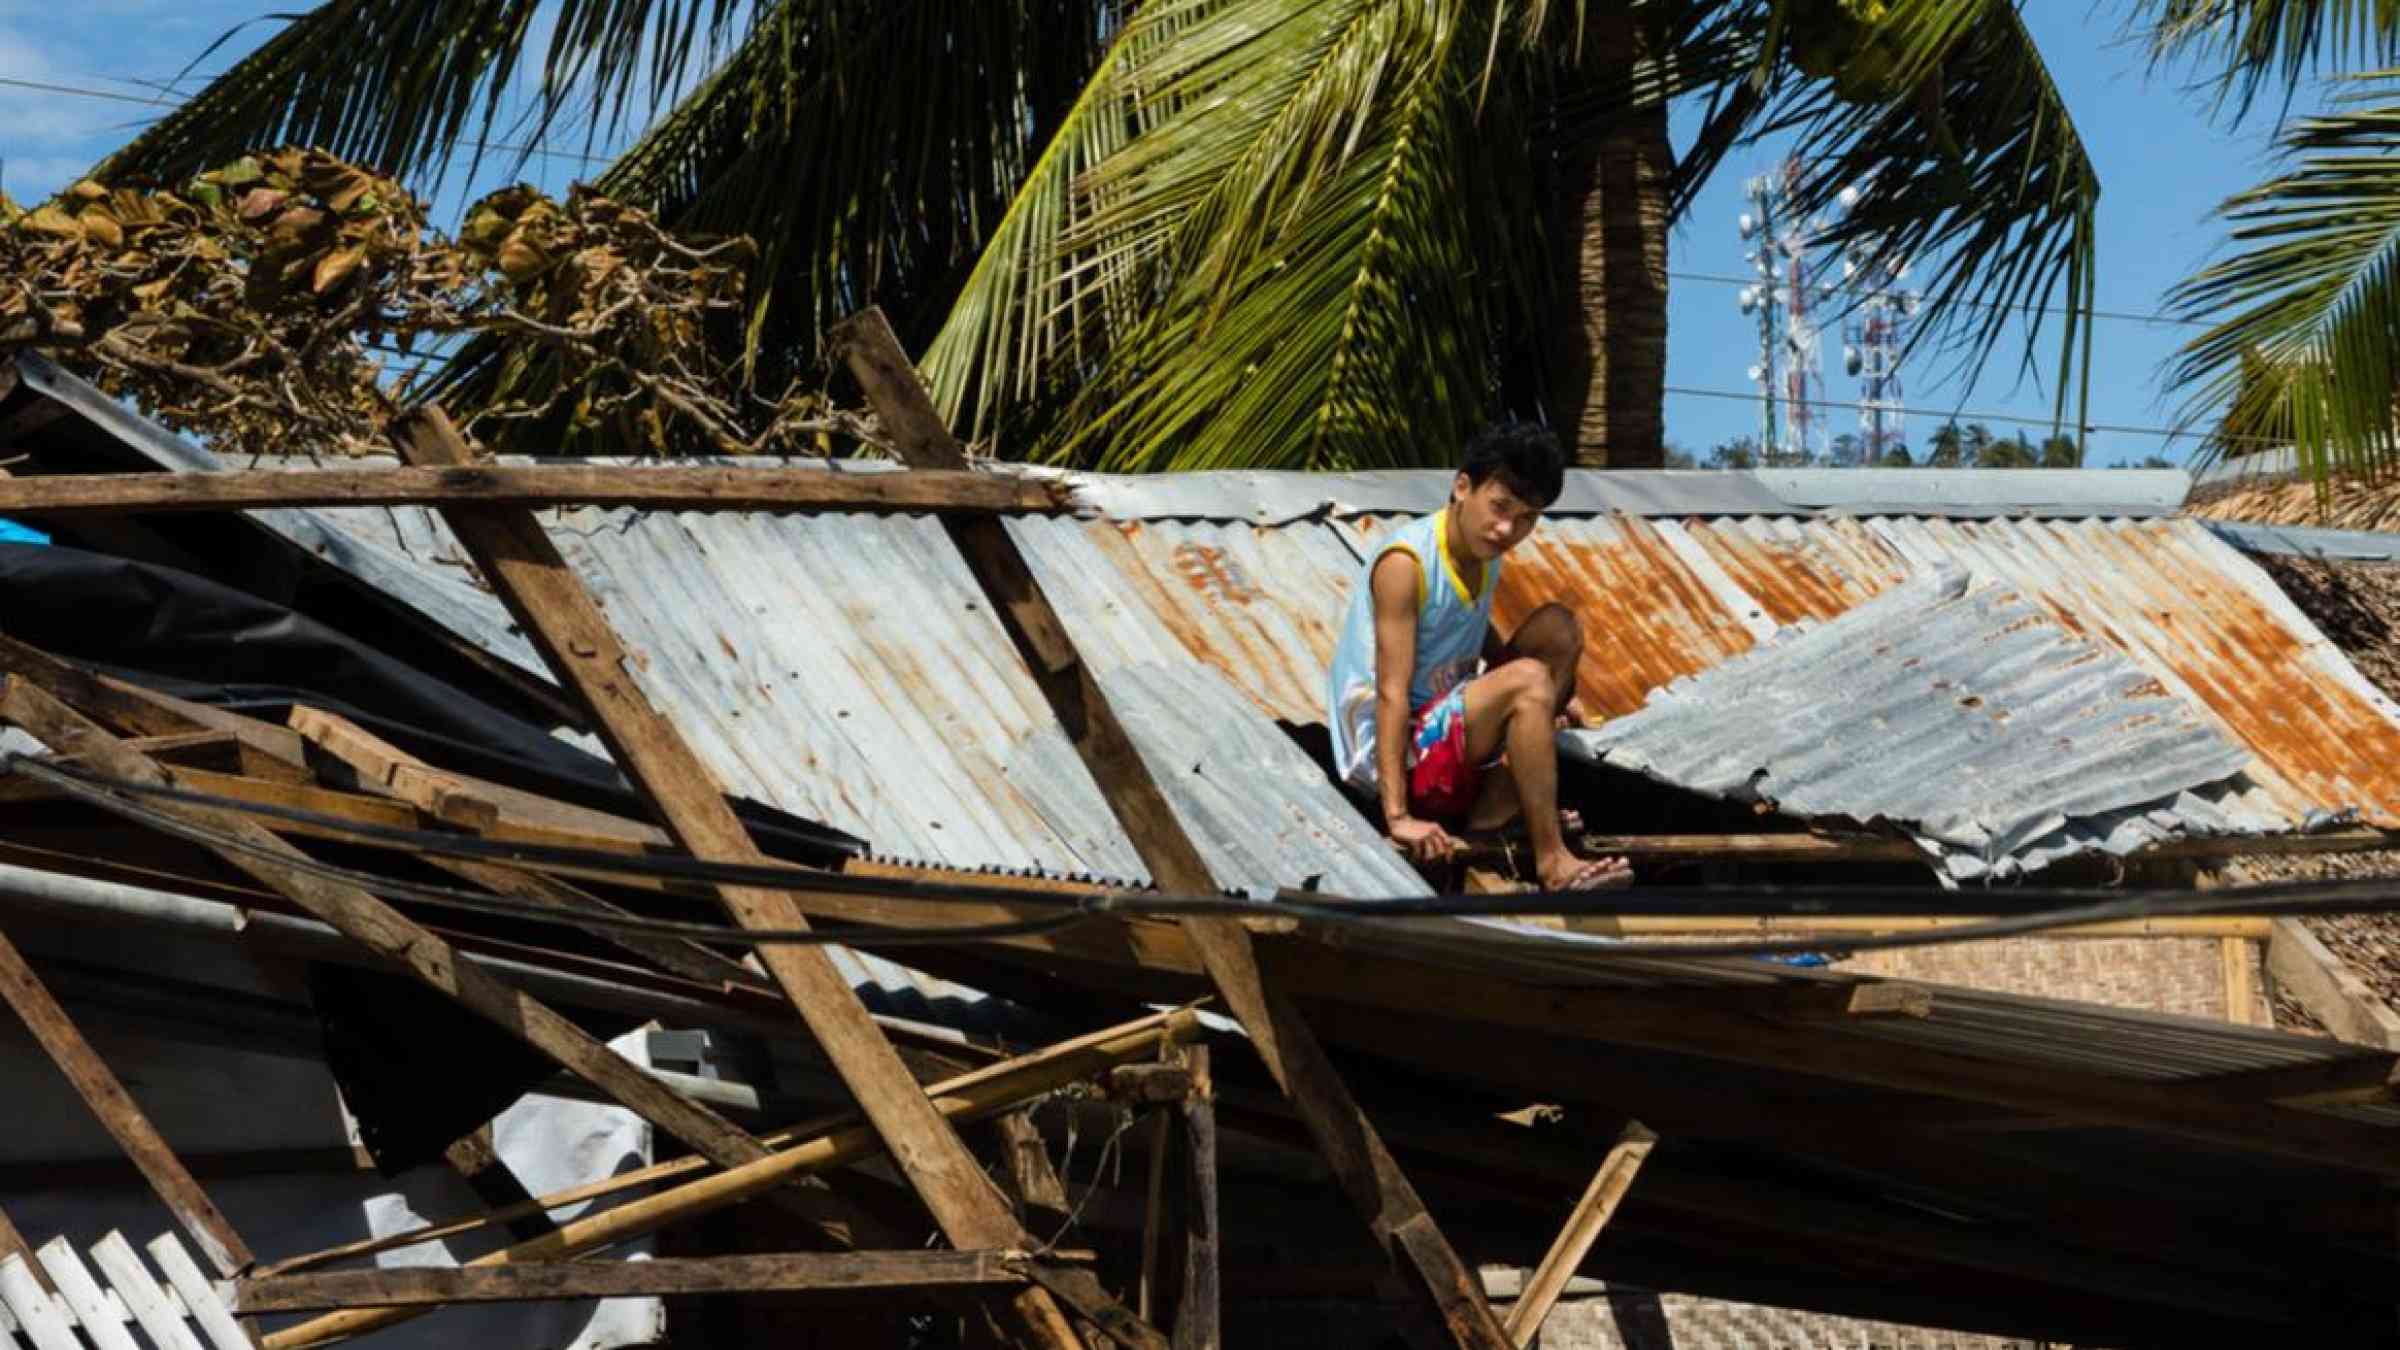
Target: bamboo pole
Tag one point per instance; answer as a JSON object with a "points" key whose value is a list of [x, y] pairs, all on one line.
{"points": [[832, 1143]]}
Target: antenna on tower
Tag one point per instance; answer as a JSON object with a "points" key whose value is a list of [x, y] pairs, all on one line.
{"points": [[1789, 369], [1872, 341]]}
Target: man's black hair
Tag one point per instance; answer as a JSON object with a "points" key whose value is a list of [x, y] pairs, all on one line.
{"points": [[1524, 455]]}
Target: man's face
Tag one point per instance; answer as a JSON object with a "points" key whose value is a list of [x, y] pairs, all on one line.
{"points": [[1491, 518]]}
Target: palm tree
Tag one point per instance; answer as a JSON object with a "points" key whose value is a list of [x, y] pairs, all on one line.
{"points": [[1212, 233], [2302, 347]]}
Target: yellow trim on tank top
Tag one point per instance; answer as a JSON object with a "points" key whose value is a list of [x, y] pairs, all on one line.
{"points": [[1458, 582]]}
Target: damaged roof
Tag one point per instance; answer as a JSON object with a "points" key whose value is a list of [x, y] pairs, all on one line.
{"points": [[841, 666]]}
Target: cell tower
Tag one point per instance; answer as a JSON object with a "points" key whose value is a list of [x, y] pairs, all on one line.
{"points": [[1871, 343], [1789, 369]]}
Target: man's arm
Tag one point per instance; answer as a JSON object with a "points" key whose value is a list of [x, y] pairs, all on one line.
{"points": [[1394, 584]]}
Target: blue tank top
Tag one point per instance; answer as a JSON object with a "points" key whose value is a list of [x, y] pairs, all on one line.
{"points": [[1451, 624]]}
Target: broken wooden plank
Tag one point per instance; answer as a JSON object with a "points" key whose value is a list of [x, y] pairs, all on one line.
{"points": [[137, 711], [1199, 1322], [380, 765], [1582, 1229], [966, 1096], [1025, 1167], [575, 640], [1373, 1180], [117, 1113], [824, 1273], [2304, 968], [392, 935], [12, 1242], [1836, 926], [524, 487], [812, 1148], [895, 390]]}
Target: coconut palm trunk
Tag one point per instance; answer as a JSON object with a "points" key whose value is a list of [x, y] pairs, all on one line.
{"points": [[1610, 369]]}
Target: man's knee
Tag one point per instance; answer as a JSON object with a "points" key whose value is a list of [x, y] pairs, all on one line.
{"points": [[1528, 678], [1550, 630]]}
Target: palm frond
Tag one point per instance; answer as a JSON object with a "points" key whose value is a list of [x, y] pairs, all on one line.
{"points": [[2256, 45], [1326, 237], [2308, 350], [402, 84], [1947, 122]]}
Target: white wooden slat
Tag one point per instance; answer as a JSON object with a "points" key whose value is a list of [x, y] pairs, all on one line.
{"points": [[148, 1303], [8, 1327], [103, 1324], [200, 1296], [44, 1319]]}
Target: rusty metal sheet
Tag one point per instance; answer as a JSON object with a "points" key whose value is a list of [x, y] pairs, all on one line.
{"points": [[2214, 629], [1259, 606], [1961, 713]]}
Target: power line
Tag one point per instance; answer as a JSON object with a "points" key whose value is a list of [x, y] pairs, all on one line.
{"points": [[113, 96], [2168, 433], [2052, 311]]}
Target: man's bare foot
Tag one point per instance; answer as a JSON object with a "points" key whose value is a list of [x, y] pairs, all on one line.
{"points": [[1566, 872]]}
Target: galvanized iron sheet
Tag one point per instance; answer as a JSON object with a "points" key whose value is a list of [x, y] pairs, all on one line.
{"points": [[847, 669], [1966, 715], [1259, 606], [1663, 600]]}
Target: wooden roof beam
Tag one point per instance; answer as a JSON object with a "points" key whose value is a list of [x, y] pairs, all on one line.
{"points": [[524, 487]]}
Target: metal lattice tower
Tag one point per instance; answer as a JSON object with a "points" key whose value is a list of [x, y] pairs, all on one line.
{"points": [[1872, 341], [1789, 370]]}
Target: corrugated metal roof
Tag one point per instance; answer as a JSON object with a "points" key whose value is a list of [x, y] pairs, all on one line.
{"points": [[2214, 629], [1986, 728], [1665, 599], [1259, 606], [846, 668], [2308, 541], [358, 542], [1672, 587], [1264, 497]]}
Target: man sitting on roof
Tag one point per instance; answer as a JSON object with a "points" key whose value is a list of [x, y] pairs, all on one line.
{"points": [[1413, 723]]}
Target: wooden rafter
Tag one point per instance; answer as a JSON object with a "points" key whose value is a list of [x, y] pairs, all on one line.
{"points": [[1373, 1180], [583, 652], [524, 487]]}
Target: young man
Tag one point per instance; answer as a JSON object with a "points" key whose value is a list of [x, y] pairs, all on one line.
{"points": [[1413, 723]]}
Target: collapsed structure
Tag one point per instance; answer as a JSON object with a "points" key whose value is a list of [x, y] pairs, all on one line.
{"points": [[401, 779]]}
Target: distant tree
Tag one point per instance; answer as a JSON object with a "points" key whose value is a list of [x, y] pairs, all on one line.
{"points": [[1896, 458], [1680, 458], [2155, 462], [2061, 452], [1948, 448], [1848, 451], [2012, 453], [1739, 453]]}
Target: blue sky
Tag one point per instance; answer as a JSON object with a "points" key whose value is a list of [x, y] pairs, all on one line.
{"points": [[2164, 166]]}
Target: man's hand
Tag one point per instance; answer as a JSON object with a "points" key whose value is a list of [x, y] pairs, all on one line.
{"points": [[1571, 717], [1423, 840]]}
